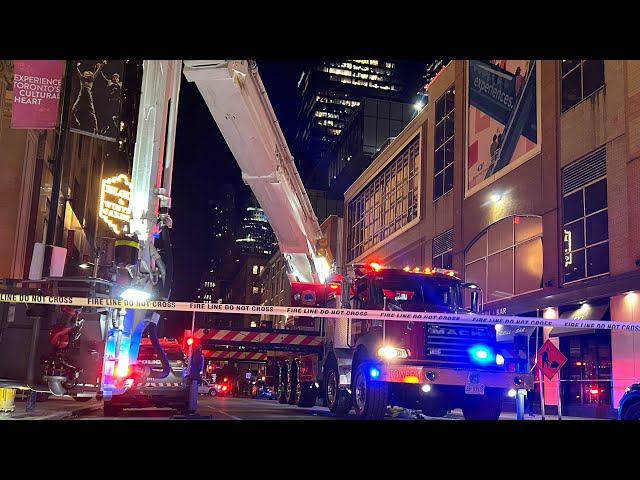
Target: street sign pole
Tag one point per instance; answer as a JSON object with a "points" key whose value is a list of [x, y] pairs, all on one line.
{"points": [[559, 398], [541, 392]]}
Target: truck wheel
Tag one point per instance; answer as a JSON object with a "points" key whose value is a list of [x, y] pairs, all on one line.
{"points": [[294, 385], [482, 407], [633, 412], [282, 384], [308, 395], [42, 396], [111, 410], [213, 392], [338, 400], [369, 398]]}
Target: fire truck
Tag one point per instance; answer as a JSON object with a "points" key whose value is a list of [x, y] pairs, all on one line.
{"points": [[369, 365], [353, 364]]}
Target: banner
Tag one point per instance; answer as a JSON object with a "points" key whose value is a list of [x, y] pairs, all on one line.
{"points": [[96, 98], [36, 93], [503, 118]]}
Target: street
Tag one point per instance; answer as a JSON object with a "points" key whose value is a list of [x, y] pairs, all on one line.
{"points": [[225, 408]]}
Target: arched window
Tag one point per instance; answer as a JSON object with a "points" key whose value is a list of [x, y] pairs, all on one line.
{"points": [[506, 259]]}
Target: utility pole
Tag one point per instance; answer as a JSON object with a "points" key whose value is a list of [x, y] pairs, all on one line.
{"points": [[61, 140]]}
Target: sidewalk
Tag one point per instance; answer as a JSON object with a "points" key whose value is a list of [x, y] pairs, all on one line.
{"points": [[54, 408]]}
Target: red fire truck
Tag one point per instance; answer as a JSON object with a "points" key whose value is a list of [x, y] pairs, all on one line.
{"points": [[367, 365]]}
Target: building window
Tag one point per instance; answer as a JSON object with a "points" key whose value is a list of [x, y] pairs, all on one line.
{"points": [[506, 259], [443, 144], [255, 290], [585, 218], [388, 203], [442, 250], [586, 378], [255, 270], [580, 78]]}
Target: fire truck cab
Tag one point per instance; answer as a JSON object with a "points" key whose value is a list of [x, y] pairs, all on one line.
{"points": [[368, 365]]}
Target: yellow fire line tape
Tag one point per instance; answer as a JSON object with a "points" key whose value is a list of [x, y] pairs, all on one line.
{"points": [[442, 318]]}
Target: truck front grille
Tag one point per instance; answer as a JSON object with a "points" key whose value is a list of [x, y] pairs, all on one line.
{"points": [[450, 345]]}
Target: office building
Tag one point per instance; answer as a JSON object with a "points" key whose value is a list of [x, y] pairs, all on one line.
{"points": [[523, 176], [330, 91]]}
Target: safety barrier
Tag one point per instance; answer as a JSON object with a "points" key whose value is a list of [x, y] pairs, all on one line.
{"points": [[441, 318]]}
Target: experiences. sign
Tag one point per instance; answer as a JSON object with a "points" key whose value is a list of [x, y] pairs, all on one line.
{"points": [[36, 93]]}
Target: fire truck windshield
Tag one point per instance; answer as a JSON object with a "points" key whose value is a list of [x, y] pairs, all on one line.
{"points": [[416, 293]]}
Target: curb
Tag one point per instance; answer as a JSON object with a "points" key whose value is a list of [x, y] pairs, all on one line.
{"points": [[56, 415]]}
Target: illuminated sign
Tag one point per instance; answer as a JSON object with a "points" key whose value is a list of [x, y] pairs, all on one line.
{"points": [[568, 257], [114, 202]]}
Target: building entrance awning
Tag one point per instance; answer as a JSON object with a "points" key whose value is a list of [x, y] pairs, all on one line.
{"points": [[584, 312]]}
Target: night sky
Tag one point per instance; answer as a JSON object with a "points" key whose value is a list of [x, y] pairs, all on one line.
{"points": [[203, 161]]}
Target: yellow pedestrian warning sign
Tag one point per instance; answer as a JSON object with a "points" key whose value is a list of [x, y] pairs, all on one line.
{"points": [[549, 359]]}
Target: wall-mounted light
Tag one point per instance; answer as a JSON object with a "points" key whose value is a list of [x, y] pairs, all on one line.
{"points": [[418, 105], [496, 197]]}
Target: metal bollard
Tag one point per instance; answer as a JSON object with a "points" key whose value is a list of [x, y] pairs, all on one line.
{"points": [[520, 394]]}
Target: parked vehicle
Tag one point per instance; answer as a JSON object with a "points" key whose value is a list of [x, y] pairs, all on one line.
{"points": [[260, 390], [171, 391], [205, 387], [629, 405]]}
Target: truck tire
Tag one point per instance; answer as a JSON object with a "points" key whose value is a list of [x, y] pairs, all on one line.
{"points": [[282, 384], [308, 395], [632, 412], [295, 389], [111, 410], [370, 399], [213, 392], [482, 407], [42, 396], [338, 400], [82, 399]]}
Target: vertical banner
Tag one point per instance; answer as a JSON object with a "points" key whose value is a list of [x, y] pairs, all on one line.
{"points": [[36, 93], [70, 242], [503, 118], [96, 98]]}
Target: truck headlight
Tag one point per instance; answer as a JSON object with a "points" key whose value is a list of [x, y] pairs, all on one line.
{"points": [[392, 352]]}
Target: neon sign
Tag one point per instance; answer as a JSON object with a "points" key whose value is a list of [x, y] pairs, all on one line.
{"points": [[114, 202], [568, 256]]}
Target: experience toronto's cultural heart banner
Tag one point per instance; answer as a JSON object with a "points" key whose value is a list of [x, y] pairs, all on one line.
{"points": [[36, 93]]}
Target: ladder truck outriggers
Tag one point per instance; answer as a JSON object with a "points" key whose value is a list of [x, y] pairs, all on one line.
{"points": [[363, 365]]}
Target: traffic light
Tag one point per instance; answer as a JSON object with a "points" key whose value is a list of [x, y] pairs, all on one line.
{"points": [[322, 247], [209, 368], [187, 340]]}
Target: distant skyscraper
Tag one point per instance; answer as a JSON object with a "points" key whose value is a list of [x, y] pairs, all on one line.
{"points": [[331, 90], [255, 236], [222, 210], [217, 276]]}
